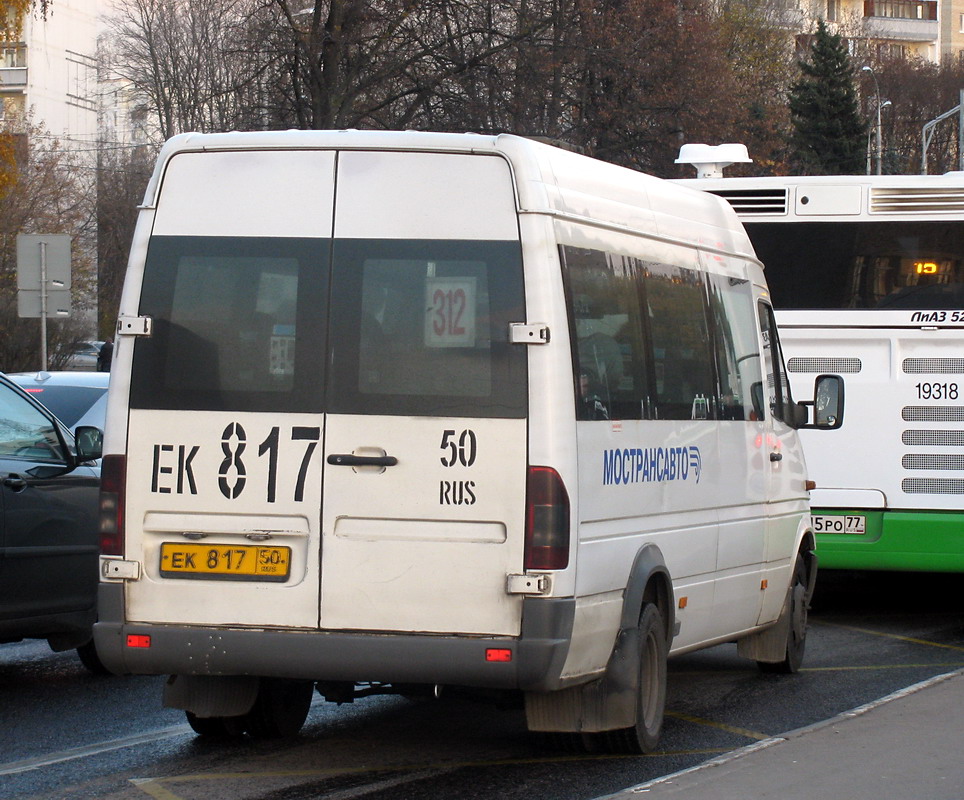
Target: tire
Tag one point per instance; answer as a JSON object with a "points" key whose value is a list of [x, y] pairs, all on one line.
{"points": [[87, 654], [216, 727], [796, 608], [651, 694], [280, 709]]}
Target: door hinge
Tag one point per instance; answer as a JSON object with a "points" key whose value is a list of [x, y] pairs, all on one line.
{"points": [[528, 584], [528, 333], [134, 326], [117, 569]]}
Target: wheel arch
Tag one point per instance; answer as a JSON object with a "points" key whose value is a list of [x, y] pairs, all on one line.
{"points": [[608, 703], [649, 582]]}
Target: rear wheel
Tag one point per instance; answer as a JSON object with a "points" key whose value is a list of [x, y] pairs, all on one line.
{"points": [[216, 727], [280, 709], [87, 654], [796, 609], [651, 693]]}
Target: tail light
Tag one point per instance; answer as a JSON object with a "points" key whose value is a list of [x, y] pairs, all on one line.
{"points": [[547, 520], [113, 471]]}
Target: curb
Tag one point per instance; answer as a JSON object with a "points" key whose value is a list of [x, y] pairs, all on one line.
{"points": [[783, 737]]}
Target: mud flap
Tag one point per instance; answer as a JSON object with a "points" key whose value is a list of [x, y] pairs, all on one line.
{"points": [[211, 695], [605, 704], [769, 646]]}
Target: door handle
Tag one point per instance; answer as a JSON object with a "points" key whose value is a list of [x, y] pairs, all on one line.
{"points": [[15, 482], [776, 456], [350, 460]]}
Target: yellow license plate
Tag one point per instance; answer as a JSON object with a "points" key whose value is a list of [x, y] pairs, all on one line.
{"points": [[237, 562]]}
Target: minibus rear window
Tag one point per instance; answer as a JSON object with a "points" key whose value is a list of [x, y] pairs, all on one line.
{"points": [[408, 327], [239, 324], [421, 327]]}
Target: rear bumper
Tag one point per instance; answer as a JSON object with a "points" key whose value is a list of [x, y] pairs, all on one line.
{"points": [[924, 541], [536, 663]]}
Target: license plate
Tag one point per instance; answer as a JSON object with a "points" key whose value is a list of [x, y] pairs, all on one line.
{"points": [[840, 523], [239, 562]]}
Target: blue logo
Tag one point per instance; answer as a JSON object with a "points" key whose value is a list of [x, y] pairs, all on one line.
{"points": [[651, 465]]}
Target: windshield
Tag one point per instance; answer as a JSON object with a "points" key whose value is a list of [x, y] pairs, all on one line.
{"points": [[854, 265]]}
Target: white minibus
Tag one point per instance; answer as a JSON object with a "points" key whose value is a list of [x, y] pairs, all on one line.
{"points": [[398, 411]]}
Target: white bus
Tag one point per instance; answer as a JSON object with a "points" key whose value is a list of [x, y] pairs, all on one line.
{"points": [[394, 410], [867, 276]]}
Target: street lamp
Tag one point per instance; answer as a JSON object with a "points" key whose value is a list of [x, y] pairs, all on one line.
{"points": [[879, 106]]}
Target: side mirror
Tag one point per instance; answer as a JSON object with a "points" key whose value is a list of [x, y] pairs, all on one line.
{"points": [[828, 403], [89, 443]]}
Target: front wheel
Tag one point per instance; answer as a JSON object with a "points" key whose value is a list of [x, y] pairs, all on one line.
{"points": [[796, 609], [651, 691]]}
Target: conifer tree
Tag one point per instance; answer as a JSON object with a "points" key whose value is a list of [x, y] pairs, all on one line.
{"points": [[828, 134]]}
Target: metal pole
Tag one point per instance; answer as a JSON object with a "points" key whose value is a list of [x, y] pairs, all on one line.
{"points": [[879, 150], [960, 132], [867, 68], [43, 306]]}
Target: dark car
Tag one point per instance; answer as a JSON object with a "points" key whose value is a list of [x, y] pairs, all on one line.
{"points": [[49, 543], [75, 398]]}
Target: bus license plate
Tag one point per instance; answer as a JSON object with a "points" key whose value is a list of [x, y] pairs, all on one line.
{"points": [[240, 562], [839, 523]]}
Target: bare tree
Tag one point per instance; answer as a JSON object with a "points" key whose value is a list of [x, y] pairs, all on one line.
{"points": [[48, 193], [194, 61], [918, 91], [625, 80], [122, 175]]}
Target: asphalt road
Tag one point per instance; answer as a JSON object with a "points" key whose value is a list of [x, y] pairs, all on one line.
{"points": [[67, 734]]}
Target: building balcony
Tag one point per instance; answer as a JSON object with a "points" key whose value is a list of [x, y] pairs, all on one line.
{"points": [[13, 77], [896, 29], [902, 9]]}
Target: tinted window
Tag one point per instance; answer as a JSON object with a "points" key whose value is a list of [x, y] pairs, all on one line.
{"points": [[422, 327], [682, 353], [862, 264], [413, 327], [778, 386], [644, 346], [613, 372], [238, 324], [68, 403], [737, 350]]}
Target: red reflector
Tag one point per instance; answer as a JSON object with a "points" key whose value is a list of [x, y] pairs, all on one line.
{"points": [[498, 654], [138, 640]]}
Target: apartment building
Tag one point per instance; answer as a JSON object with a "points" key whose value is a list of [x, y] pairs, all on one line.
{"points": [[52, 71], [929, 29]]}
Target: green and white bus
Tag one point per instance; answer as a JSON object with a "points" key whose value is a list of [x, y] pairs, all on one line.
{"points": [[867, 279]]}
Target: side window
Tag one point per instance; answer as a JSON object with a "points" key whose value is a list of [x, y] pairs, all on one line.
{"points": [[25, 432], [737, 349], [611, 370], [682, 349], [778, 386]]}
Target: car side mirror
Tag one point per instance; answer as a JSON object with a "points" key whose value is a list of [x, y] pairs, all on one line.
{"points": [[828, 403], [89, 443]]}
